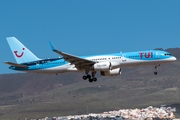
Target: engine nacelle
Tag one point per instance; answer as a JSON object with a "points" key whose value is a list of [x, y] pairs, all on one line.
{"points": [[114, 72], [115, 65], [105, 66]]}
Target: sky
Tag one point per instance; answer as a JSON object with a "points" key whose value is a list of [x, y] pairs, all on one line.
{"points": [[87, 27]]}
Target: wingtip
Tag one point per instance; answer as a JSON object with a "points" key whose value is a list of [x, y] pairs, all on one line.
{"points": [[52, 46], [6, 62], [10, 37]]}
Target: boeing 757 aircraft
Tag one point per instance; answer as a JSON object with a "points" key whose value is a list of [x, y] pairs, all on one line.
{"points": [[107, 65]]}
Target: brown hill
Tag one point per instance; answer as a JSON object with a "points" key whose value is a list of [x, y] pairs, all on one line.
{"points": [[174, 51], [28, 83]]}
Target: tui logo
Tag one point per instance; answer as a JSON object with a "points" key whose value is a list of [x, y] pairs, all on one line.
{"points": [[146, 55], [19, 55]]}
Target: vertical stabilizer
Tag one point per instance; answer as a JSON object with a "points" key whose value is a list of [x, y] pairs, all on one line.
{"points": [[20, 52]]}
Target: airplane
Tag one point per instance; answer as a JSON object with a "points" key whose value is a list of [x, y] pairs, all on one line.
{"points": [[107, 64]]}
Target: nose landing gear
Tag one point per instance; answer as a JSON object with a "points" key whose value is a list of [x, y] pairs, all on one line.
{"points": [[156, 68], [155, 73]]}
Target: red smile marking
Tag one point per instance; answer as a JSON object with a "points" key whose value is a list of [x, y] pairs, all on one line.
{"points": [[16, 53]]}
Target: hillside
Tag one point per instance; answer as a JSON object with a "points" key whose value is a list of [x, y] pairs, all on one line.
{"points": [[36, 95]]}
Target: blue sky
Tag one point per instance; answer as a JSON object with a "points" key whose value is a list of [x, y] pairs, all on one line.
{"points": [[84, 27]]}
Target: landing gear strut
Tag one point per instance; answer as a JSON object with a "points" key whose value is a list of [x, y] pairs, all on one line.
{"points": [[156, 68]]}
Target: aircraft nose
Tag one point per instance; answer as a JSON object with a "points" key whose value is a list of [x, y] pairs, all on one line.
{"points": [[173, 58]]}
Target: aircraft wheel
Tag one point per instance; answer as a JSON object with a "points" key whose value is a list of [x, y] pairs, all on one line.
{"points": [[91, 80], [94, 79], [84, 77], [155, 73], [88, 76]]}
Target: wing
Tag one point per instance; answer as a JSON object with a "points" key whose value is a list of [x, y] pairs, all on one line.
{"points": [[80, 63], [16, 65]]}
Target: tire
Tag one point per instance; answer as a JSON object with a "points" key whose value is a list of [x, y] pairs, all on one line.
{"points": [[94, 79], [84, 77], [91, 80], [88, 76], [155, 73]]}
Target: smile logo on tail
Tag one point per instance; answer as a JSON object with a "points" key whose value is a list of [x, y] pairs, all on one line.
{"points": [[19, 56]]}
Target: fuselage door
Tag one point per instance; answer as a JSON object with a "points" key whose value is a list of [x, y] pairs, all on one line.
{"points": [[123, 58], [37, 65], [157, 55]]}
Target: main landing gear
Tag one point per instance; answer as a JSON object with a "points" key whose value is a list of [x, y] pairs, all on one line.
{"points": [[91, 78], [156, 68]]}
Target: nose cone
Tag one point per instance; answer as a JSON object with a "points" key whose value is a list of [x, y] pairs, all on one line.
{"points": [[173, 58]]}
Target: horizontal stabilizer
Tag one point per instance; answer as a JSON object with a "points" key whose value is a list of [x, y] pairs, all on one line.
{"points": [[16, 65]]}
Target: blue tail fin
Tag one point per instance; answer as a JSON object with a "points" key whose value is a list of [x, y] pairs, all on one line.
{"points": [[20, 52]]}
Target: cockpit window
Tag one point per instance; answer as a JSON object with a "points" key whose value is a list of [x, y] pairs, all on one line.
{"points": [[167, 54]]}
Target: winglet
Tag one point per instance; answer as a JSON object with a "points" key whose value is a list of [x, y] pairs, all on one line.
{"points": [[52, 46], [54, 49]]}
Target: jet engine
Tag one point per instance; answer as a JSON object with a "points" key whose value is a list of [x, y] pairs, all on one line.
{"points": [[114, 72], [106, 66]]}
